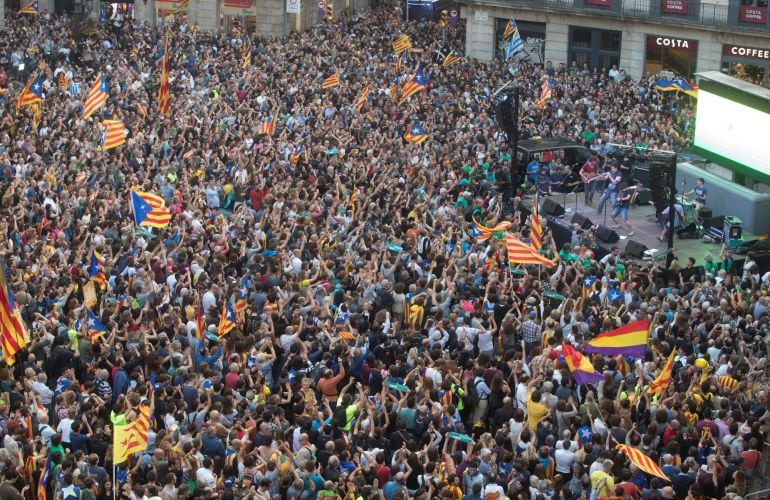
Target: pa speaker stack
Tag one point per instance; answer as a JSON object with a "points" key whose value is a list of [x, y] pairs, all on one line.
{"points": [[504, 115], [635, 249]]}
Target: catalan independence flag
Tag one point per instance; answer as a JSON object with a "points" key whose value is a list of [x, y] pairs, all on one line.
{"points": [[628, 340], [42, 482], [483, 233], [164, 89], [546, 92], [113, 134], [536, 225], [415, 84], [579, 366], [13, 334], [97, 96], [510, 28], [32, 93], [331, 82], [450, 59], [32, 8], [131, 438], [181, 7], [149, 210], [642, 461], [402, 44], [94, 326], [227, 320], [416, 134], [362, 99], [268, 126], [96, 270], [521, 253], [661, 382]]}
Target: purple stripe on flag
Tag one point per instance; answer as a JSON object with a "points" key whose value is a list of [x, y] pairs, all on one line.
{"points": [[634, 351]]}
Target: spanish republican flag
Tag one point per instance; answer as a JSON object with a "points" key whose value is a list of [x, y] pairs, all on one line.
{"points": [[521, 253], [164, 90], [131, 438], [642, 461], [629, 340], [579, 366], [659, 385], [402, 44], [113, 134], [332, 81]]}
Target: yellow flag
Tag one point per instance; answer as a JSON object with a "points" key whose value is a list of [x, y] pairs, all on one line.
{"points": [[131, 438]]}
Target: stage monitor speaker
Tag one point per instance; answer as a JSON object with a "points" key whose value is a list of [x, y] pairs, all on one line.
{"points": [[606, 234], [552, 208], [635, 249], [644, 197], [688, 232], [583, 221], [504, 114], [562, 233], [706, 213]]}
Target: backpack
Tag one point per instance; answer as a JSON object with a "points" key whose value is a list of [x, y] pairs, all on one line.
{"points": [[472, 394]]}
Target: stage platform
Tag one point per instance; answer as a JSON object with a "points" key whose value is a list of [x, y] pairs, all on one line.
{"points": [[646, 228]]}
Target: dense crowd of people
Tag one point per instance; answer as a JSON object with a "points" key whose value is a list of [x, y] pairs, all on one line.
{"points": [[383, 351]]}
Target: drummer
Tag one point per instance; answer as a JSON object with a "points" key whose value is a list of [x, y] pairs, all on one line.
{"points": [[701, 194]]}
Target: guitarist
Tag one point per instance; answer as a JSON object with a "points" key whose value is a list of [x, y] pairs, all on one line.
{"points": [[588, 173]]}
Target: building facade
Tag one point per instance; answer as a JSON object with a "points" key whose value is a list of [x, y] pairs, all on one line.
{"points": [[640, 36], [267, 17]]}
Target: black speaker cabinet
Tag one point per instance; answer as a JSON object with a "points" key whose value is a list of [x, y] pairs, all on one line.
{"points": [[606, 234], [635, 249], [583, 221], [552, 208]]}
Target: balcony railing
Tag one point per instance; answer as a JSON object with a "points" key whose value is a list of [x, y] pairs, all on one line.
{"points": [[691, 12]]}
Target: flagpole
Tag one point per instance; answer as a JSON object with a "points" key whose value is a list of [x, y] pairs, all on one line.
{"points": [[114, 485]]}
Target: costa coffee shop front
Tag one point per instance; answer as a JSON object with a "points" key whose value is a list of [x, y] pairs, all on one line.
{"points": [[751, 64]]}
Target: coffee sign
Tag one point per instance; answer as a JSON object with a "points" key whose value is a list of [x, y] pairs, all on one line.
{"points": [[753, 14], [674, 6], [747, 52]]}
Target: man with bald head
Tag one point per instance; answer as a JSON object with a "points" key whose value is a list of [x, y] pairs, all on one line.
{"points": [[504, 414], [669, 469]]}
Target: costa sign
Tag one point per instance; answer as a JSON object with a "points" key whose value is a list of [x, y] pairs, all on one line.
{"points": [[747, 52], [677, 43]]}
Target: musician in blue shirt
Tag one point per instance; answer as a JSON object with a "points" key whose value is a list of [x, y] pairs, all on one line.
{"points": [[701, 194], [613, 187]]}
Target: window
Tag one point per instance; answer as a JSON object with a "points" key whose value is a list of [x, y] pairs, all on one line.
{"points": [[594, 47], [581, 38], [611, 41]]}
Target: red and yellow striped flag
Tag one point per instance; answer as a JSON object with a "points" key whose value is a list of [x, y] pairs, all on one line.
{"points": [[97, 96], [131, 438], [164, 90], [402, 44], [362, 100], [13, 334], [64, 82], [535, 225], [113, 134], [521, 253], [450, 59], [660, 384], [331, 82], [181, 6], [642, 461]]}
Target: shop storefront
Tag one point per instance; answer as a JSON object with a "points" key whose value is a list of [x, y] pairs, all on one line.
{"points": [[676, 55], [595, 48], [116, 13], [241, 14], [532, 35], [751, 64]]}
